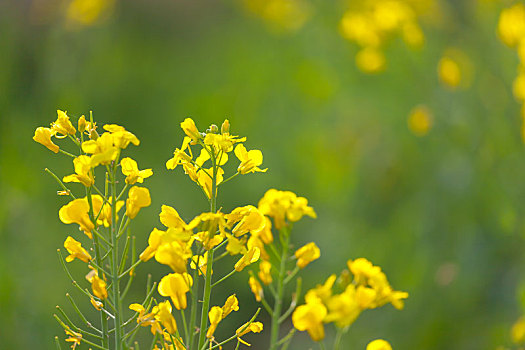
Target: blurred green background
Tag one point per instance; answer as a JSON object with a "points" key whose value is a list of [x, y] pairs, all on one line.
{"points": [[441, 213]]}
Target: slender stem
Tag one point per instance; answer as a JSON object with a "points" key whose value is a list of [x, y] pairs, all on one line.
{"points": [[321, 345], [115, 260], [339, 336], [184, 324], [293, 304], [285, 237], [57, 343], [67, 153], [60, 183], [130, 268], [224, 278], [218, 345], [228, 179], [207, 282], [81, 315], [194, 298]]}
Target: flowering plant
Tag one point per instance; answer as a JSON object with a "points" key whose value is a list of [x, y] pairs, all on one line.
{"points": [[257, 239]]}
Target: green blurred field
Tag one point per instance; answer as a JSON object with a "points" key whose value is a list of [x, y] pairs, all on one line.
{"points": [[442, 214]]}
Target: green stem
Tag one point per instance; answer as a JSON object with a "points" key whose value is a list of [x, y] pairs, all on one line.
{"points": [[194, 298], [274, 337], [114, 260], [207, 282], [224, 278]]}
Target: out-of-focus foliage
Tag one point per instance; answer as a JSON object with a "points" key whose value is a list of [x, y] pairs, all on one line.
{"points": [[434, 194]]}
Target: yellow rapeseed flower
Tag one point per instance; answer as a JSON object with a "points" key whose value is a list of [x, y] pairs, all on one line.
{"points": [[250, 257], [282, 205], [189, 128], [98, 285], [63, 125], [75, 250], [77, 211], [253, 327], [201, 261], [83, 173], [379, 344], [102, 149], [265, 275], [163, 314], [175, 254], [343, 308], [215, 316], [96, 304], [43, 136], [449, 72], [103, 210], [420, 120], [138, 198], [132, 172], [205, 181], [120, 136], [170, 217], [146, 319], [250, 160], [180, 156], [256, 288], [306, 254], [518, 331], [231, 304], [309, 317], [175, 286], [87, 12], [246, 219], [73, 337], [370, 60], [511, 25], [322, 291]]}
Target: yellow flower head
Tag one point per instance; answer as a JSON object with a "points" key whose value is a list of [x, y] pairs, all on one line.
{"points": [[511, 25], [189, 128], [247, 219], [83, 172], [379, 344], [235, 245], [175, 286], [154, 242], [175, 254], [98, 285], [309, 317], [180, 156], [420, 120], [256, 288], [103, 210], [250, 160], [322, 291], [282, 205], [249, 258], [73, 337], [132, 172], [146, 319], [343, 308], [307, 254], [138, 198], [204, 179], [102, 149], [63, 125], [362, 269], [43, 136], [215, 316], [163, 314], [96, 304], [449, 72], [201, 261], [370, 60], [120, 136], [76, 212], [207, 225], [518, 331], [231, 304], [265, 272], [75, 250], [171, 218], [254, 327], [360, 28]]}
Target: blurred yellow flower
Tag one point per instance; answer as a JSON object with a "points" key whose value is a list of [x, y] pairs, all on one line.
{"points": [[265, 275], [379, 344], [511, 25], [306, 254], [87, 12], [254, 327], [256, 288], [518, 331], [280, 15], [98, 285], [138, 198], [75, 250], [174, 254], [96, 304], [420, 120], [518, 87], [309, 317], [370, 60], [449, 72], [248, 258]]}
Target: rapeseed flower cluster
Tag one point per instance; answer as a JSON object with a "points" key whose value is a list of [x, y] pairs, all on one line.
{"points": [[511, 30], [368, 289], [254, 240], [373, 23]]}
